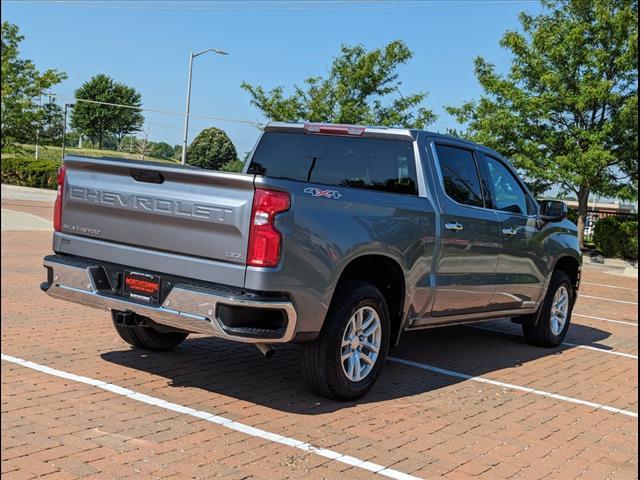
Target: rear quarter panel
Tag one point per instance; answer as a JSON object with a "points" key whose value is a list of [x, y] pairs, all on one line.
{"points": [[322, 235]]}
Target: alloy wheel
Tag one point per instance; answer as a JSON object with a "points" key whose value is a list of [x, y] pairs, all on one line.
{"points": [[361, 341]]}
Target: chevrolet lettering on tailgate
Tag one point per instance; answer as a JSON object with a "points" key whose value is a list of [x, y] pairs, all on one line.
{"points": [[149, 204]]}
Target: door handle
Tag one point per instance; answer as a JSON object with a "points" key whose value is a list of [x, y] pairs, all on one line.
{"points": [[509, 231], [455, 226]]}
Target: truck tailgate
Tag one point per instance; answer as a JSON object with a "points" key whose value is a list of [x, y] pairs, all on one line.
{"points": [[173, 209]]}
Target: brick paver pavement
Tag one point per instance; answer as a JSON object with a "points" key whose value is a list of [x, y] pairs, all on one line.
{"points": [[414, 421]]}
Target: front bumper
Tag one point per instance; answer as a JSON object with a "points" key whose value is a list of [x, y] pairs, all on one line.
{"points": [[187, 307]]}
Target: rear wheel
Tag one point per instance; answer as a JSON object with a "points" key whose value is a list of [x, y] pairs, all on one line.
{"points": [[345, 361], [145, 336], [555, 316]]}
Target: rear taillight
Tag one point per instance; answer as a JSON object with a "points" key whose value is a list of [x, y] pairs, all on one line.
{"points": [[329, 129], [264, 239], [57, 206]]}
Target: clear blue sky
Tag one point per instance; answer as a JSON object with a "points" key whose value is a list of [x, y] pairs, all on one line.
{"points": [[146, 45]]}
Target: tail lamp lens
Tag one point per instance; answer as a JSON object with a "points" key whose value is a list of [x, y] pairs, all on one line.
{"points": [[57, 206], [264, 239]]}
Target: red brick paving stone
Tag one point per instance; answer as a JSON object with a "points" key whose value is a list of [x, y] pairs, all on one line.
{"points": [[35, 467], [18, 475], [74, 466], [531, 366], [610, 293], [133, 464], [411, 416], [502, 470], [59, 475], [624, 473], [583, 331], [613, 311], [39, 209], [595, 274]]}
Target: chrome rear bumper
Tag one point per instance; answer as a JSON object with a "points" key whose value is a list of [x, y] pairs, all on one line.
{"points": [[185, 308]]}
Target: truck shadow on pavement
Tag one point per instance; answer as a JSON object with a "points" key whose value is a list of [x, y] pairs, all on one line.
{"points": [[240, 371]]}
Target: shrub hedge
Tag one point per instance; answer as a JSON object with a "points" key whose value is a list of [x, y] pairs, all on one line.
{"points": [[29, 172], [617, 237]]}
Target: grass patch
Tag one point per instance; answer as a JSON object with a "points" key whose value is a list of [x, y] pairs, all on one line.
{"points": [[20, 167], [55, 153]]}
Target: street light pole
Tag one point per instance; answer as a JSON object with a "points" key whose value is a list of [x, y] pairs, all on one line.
{"points": [[186, 113], [38, 129], [64, 128]]}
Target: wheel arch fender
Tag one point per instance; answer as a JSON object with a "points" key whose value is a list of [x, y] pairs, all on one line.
{"points": [[571, 264], [383, 270], [568, 263]]}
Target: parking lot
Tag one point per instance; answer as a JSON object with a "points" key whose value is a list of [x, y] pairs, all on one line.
{"points": [[461, 402]]}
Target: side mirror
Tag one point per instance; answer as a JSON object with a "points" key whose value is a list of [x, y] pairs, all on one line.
{"points": [[553, 210]]}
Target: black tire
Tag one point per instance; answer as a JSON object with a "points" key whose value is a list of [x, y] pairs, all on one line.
{"points": [[146, 337], [541, 333], [321, 362]]}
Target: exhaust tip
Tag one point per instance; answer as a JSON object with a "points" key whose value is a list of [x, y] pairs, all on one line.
{"points": [[267, 350]]}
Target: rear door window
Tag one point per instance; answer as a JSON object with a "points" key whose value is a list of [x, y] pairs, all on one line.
{"points": [[374, 164], [460, 175]]}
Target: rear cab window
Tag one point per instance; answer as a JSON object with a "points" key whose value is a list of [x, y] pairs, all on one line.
{"points": [[368, 163]]}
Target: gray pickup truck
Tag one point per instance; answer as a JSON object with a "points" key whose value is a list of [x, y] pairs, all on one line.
{"points": [[336, 237]]}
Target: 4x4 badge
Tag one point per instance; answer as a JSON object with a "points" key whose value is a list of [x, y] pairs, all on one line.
{"points": [[318, 192]]}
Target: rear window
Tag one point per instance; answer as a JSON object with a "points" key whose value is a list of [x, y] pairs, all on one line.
{"points": [[384, 165]]}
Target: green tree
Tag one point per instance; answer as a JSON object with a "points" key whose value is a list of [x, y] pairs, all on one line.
{"points": [[21, 85], [51, 125], [566, 112], [98, 121], [162, 150], [177, 153], [211, 149], [72, 139], [233, 166], [127, 120], [362, 87]]}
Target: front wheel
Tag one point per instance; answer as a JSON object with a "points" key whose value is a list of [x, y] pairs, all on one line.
{"points": [[555, 316], [345, 361]]}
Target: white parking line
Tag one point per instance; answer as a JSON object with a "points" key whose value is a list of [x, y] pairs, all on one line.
{"points": [[600, 349], [464, 376], [609, 286], [568, 344], [607, 299], [216, 419], [605, 319]]}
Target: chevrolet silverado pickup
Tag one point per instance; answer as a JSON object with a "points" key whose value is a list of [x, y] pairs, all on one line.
{"points": [[338, 238]]}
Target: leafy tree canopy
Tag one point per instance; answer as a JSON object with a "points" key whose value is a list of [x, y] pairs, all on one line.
{"points": [[98, 121], [162, 150], [211, 149], [362, 87], [566, 112], [233, 166], [22, 84], [51, 125]]}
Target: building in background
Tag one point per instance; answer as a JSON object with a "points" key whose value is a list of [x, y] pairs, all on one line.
{"points": [[600, 209]]}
